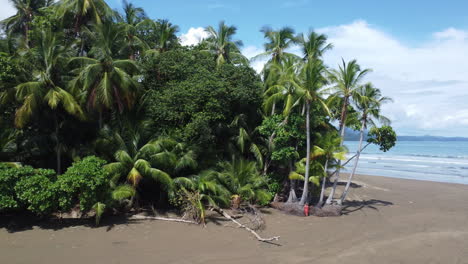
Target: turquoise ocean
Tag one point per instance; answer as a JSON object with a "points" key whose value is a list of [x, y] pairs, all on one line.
{"points": [[439, 161]]}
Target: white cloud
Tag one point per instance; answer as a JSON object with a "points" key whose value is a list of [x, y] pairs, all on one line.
{"points": [[193, 36], [428, 82], [7, 9]]}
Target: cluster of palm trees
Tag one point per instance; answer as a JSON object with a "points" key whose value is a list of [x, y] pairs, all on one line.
{"points": [[297, 83], [85, 64]]}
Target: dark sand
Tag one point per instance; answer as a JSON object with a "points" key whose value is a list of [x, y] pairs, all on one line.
{"points": [[388, 221]]}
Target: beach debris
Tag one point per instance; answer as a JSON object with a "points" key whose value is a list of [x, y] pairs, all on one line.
{"points": [[259, 238], [144, 217]]}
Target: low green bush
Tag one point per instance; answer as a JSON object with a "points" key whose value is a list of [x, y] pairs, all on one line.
{"points": [[37, 192], [85, 183]]}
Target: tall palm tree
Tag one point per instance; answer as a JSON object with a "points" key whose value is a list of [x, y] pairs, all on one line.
{"points": [[84, 11], [132, 15], [314, 45], [368, 102], [277, 43], [166, 35], [131, 19], [222, 46], [109, 82], [279, 85], [310, 88], [45, 89], [346, 79], [329, 148], [25, 12]]}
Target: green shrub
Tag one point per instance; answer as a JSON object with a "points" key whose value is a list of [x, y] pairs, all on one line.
{"points": [[85, 182], [37, 192], [14, 184]]}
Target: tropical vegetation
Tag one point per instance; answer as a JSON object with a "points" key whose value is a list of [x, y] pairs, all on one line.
{"points": [[105, 111]]}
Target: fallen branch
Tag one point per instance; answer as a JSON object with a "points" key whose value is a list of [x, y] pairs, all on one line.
{"points": [[259, 238], [140, 217]]}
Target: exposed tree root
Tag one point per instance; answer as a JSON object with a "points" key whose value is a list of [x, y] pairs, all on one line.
{"points": [[143, 217], [259, 238]]}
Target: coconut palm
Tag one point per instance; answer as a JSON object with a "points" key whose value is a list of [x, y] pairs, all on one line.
{"points": [[249, 141], [222, 46], [131, 19], [84, 11], [109, 82], [204, 190], [279, 85], [346, 79], [166, 35], [314, 45], [159, 160], [45, 89], [278, 41], [368, 100], [25, 12], [310, 88], [329, 148], [242, 179]]}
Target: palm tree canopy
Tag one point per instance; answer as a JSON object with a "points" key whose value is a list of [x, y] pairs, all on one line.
{"points": [[368, 101], [314, 45], [220, 42], [45, 87]]}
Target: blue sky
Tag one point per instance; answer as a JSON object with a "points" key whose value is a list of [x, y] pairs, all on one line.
{"points": [[418, 50]]}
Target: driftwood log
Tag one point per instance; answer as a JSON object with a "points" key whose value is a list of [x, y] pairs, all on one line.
{"points": [[144, 217], [259, 238]]}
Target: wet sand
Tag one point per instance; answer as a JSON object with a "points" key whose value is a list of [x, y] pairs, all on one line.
{"points": [[387, 221]]}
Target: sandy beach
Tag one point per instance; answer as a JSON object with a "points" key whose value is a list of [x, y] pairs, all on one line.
{"points": [[387, 220]]}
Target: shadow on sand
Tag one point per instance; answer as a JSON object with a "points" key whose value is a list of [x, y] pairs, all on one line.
{"points": [[353, 206]]}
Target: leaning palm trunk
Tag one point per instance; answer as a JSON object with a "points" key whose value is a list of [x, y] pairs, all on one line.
{"points": [[305, 191], [342, 134], [358, 154], [324, 181]]}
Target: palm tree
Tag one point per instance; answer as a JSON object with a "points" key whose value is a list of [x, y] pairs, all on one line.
{"points": [[314, 45], [132, 15], [347, 79], [25, 12], [108, 82], [330, 150], [45, 88], [368, 102], [84, 11], [166, 35], [222, 46], [278, 42], [249, 141], [158, 159], [310, 86], [132, 18], [279, 85], [202, 190], [241, 178]]}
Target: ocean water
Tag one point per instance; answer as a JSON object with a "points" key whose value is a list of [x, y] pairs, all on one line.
{"points": [[438, 161]]}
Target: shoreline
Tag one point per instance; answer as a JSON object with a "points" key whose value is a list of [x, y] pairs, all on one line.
{"points": [[386, 220]]}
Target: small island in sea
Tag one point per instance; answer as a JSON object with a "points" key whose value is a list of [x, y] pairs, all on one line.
{"points": [[195, 132]]}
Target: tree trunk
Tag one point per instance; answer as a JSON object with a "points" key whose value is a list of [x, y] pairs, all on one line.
{"points": [[345, 192], [305, 191], [324, 181], [292, 184], [342, 134], [273, 109], [57, 146]]}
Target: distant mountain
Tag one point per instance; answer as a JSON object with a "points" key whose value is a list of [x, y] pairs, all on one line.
{"points": [[352, 135]]}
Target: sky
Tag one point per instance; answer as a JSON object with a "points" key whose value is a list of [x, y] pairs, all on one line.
{"points": [[418, 50]]}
